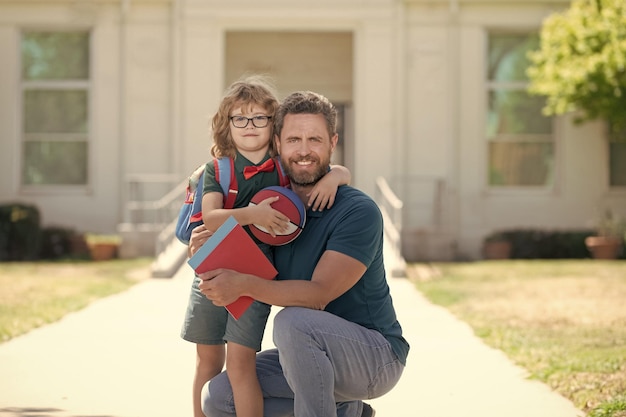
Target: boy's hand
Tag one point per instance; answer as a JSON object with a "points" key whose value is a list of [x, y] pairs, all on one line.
{"points": [[199, 235], [323, 193], [272, 220]]}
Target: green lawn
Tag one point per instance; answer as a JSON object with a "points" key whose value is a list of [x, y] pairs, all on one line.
{"points": [[563, 321], [36, 293]]}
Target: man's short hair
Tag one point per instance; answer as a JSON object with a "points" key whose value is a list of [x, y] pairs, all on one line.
{"points": [[306, 102]]}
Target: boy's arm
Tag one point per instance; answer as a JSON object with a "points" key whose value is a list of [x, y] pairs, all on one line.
{"points": [[342, 174], [323, 193], [214, 214]]}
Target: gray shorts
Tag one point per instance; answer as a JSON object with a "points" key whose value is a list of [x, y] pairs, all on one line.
{"points": [[207, 324]]}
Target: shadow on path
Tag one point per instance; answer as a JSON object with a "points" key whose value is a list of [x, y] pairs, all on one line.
{"points": [[40, 412]]}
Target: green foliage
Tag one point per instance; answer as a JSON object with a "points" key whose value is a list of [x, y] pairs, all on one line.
{"points": [[581, 62], [610, 224], [610, 409], [94, 239], [20, 232]]}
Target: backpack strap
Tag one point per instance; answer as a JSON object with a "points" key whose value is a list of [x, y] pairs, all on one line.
{"points": [[283, 179], [196, 186], [225, 176], [190, 214]]}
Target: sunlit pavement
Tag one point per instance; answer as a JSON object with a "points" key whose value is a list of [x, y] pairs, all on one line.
{"points": [[122, 357]]}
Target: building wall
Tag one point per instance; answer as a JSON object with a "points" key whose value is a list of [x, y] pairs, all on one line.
{"points": [[365, 79], [571, 202], [445, 64], [129, 106], [412, 72]]}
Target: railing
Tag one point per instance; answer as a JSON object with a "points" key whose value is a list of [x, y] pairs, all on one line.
{"points": [[391, 208], [425, 199], [173, 200], [153, 204], [150, 198]]}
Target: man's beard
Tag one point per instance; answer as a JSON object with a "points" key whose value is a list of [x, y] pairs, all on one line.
{"points": [[305, 179]]}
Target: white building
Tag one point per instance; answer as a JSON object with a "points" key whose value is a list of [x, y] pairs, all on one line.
{"points": [[431, 91]]}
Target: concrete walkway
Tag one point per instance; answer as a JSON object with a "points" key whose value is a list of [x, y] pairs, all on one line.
{"points": [[122, 357]]}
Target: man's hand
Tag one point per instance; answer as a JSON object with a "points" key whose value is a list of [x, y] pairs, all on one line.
{"points": [[199, 235], [222, 286]]}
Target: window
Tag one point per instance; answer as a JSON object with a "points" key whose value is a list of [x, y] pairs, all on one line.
{"points": [[520, 142], [55, 108], [617, 163]]}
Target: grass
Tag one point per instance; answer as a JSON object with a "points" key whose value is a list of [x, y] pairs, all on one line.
{"points": [[36, 293], [563, 321]]}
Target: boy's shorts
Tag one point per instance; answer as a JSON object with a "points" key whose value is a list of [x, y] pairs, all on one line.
{"points": [[207, 324]]}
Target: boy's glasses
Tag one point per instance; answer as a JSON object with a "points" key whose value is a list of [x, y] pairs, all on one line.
{"points": [[257, 121]]}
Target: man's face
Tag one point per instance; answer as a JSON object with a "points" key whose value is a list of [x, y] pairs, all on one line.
{"points": [[305, 148]]}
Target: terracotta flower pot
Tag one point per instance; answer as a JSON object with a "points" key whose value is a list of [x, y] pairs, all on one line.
{"points": [[603, 247], [499, 249], [103, 251]]}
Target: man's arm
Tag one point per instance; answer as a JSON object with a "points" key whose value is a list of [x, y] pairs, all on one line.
{"points": [[334, 274]]}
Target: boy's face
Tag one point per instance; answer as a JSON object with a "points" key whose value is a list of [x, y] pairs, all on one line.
{"points": [[305, 148], [250, 140]]}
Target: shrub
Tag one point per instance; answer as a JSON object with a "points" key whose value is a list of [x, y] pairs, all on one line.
{"points": [[20, 233], [62, 243], [546, 244]]}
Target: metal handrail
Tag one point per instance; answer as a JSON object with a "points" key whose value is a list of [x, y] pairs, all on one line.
{"points": [[152, 212], [391, 208]]}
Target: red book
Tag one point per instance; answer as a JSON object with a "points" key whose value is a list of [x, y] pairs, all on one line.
{"points": [[231, 247]]}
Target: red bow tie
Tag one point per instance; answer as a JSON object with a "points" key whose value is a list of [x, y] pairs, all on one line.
{"points": [[251, 170]]}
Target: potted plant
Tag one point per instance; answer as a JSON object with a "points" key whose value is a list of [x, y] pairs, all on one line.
{"points": [[497, 246], [103, 247], [609, 236]]}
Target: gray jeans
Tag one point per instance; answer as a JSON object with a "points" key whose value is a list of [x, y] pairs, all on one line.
{"points": [[326, 366]]}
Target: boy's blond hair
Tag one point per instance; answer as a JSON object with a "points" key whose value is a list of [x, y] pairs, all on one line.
{"points": [[244, 93]]}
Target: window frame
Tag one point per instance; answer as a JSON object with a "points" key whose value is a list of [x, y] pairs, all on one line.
{"points": [[491, 86], [620, 188], [25, 85]]}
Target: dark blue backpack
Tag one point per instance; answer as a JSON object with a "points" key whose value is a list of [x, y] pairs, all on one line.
{"points": [[190, 214]]}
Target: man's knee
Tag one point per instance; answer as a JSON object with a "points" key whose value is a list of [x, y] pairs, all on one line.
{"points": [[216, 395], [206, 400], [292, 324]]}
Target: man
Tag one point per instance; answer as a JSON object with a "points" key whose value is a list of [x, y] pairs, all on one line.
{"points": [[338, 341]]}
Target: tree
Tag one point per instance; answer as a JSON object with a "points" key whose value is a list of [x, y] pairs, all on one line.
{"points": [[581, 63]]}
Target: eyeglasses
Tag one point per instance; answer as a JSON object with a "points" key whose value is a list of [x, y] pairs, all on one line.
{"points": [[257, 121]]}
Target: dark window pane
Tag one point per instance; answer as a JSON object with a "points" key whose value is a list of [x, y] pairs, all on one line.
{"points": [[55, 111], [617, 164], [520, 163], [55, 55], [516, 112], [508, 59], [55, 163]]}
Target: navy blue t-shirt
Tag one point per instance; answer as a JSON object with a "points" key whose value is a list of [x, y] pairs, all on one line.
{"points": [[354, 227]]}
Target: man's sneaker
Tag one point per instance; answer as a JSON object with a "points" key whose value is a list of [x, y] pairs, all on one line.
{"points": [[368, 411]]}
